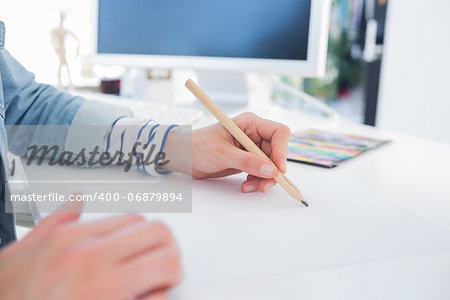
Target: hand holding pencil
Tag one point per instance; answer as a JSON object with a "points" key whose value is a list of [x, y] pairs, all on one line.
{"points": [[257, 133]]}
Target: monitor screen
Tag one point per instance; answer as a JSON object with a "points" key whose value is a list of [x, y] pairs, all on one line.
{"points": [[263, 29]]}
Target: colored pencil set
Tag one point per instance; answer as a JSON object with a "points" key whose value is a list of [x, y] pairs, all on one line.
{"points": [[326, 149]]}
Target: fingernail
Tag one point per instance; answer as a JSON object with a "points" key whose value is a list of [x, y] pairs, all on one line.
{"points": [[268, 186], [248, 188], [267, 170]]}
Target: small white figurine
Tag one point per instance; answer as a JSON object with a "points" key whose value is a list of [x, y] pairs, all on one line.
{"points": [[59, 35]]}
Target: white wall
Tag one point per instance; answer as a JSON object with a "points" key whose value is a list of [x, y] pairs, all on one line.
{"points": [[415, 79], [28, 24]]}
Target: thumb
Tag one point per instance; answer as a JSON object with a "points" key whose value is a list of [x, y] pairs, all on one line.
{"points": [[68, 212], [252, 164]]}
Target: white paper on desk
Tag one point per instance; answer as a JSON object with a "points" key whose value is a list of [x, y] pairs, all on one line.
{"points": [[231, 235]]}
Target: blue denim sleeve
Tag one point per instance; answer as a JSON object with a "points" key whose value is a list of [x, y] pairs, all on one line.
{"points": [[30, 103]]}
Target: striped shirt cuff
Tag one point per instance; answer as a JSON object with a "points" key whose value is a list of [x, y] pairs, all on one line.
{"points": [[142, 138]]}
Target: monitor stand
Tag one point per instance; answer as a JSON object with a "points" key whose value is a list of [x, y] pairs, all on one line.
{"points": [[227, 89]]}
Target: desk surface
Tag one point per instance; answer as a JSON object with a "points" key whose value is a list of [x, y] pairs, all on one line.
{"points": [[413, 173], [404, 173]]}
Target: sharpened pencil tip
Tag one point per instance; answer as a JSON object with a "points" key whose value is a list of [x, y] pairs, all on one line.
{"points": [[305, 203]]}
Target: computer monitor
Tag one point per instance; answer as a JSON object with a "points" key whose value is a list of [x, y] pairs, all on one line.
{"points": [[277, 36]]}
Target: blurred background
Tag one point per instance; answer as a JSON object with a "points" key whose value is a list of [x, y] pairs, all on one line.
{"points": [[388, 61]]}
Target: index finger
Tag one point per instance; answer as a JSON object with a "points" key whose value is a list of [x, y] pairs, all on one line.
{"points": [[279, 142], [275, 133]]}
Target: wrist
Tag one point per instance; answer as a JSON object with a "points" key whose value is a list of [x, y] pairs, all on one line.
{"points": [[177, 150]]}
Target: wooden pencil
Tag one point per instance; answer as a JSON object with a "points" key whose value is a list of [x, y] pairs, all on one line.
{"points": [[243, 139]]}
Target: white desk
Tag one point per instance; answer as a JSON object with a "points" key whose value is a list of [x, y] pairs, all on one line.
{"points": [[392, 171], [395, 171], [412, 172], [404, 174]]}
